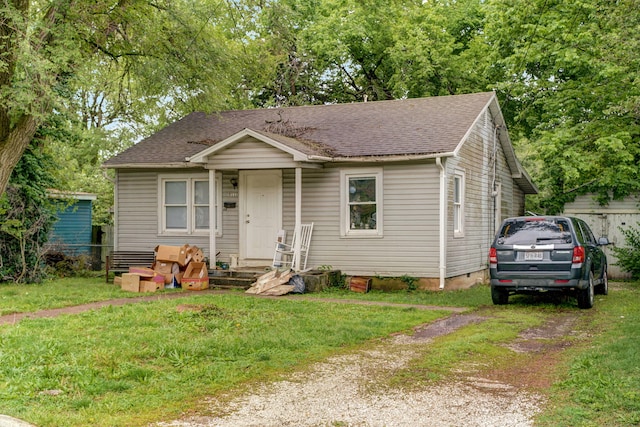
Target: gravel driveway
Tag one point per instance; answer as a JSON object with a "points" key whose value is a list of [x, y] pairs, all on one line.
{"points": [[350, 390]]}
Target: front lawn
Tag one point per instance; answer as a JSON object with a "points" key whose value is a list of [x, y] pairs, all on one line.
{"points": [[146, 362], [57, 293], [139, 363]]}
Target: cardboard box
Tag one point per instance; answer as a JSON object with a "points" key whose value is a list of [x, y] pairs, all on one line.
{"points": [[196, 276], [130, 282], [149, 286], [176, 254], [142, 271], [117, 280], [166, 269], [194, 253]]}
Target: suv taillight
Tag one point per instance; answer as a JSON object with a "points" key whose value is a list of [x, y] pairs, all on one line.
{"points": [[578, 255], [493, 256]]}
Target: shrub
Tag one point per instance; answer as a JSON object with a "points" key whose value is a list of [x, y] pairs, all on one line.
{"points": [[629, 256]]}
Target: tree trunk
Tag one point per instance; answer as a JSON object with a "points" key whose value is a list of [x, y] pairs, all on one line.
{"points": [[13, 146]]}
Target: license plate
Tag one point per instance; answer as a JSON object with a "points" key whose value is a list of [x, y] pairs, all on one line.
{"points": [[533, 256]]}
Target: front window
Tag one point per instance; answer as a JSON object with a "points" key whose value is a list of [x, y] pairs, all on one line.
{"points": [[175, 205], [362, 203], [185, 205]]}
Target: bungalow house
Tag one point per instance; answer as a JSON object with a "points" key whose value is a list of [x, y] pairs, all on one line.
{"points": [[404, 187]]}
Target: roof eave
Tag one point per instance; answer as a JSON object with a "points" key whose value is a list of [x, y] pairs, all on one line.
{"points": [[170, 165]]}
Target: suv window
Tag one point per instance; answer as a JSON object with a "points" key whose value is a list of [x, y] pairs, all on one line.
{"points": [[579, 233], [588, 235], [534, 231]]}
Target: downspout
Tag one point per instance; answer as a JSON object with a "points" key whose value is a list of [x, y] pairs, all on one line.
{"points": [[116, 211], [442, 222], [212, 218]]}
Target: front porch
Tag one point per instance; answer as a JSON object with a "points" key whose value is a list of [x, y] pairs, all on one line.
{"points": [[243, 278]]}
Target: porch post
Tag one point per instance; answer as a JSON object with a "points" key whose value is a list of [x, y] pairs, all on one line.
{"points": [[212, 218], [296, 250]]}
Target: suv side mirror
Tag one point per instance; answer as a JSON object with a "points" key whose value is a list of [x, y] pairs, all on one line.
{"points": [[603, 241]]}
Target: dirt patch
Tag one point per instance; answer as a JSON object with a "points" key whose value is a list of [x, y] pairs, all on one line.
{"points": [[547, 337], [544, 346], [425, 333], [15, 318]]}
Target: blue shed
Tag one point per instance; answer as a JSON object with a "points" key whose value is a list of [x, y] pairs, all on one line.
{"points": [[72, 232]]}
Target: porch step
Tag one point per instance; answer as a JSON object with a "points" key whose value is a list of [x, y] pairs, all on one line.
{"points": [[232, 279]]}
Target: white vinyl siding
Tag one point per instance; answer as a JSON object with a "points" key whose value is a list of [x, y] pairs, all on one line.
{"points": [[410, 203], [468, 253], [137, 211], [251, 154]]}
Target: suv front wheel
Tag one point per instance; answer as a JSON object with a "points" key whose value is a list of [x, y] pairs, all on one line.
{"points": [[586, 296], [603, 288]]}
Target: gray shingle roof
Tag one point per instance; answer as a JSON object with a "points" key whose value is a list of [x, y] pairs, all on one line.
{"points": [[419, 126]]}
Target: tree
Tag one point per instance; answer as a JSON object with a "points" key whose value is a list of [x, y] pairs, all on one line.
{"points": [[123, 62], [572, 96]]}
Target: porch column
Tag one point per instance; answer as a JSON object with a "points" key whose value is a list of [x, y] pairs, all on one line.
{"points": [[212, 218], [296, 250]]}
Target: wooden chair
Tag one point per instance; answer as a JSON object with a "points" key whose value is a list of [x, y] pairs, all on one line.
{"points": [[295, 255]]}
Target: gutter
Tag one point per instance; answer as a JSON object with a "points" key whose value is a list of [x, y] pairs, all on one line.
{"points": [[442, 267], [385, 158]]}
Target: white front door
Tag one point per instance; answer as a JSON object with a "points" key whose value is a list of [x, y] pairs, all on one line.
{"points": [[261, 213]]}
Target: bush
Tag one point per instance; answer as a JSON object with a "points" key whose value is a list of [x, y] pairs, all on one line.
{"points": [[629, 256], [26, 216]]}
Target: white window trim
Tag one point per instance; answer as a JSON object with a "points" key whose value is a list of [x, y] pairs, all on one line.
{"points": [[458, 227], [190, 230], [345, 227]]}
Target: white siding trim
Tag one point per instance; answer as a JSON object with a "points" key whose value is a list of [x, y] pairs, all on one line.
{"points": [[458, 201]]}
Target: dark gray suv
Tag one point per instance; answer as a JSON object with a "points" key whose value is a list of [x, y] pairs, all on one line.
{"points": [[547, 253]]}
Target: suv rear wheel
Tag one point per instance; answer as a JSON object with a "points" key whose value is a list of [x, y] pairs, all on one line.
{"points": [[499, 296], [586, 296]]}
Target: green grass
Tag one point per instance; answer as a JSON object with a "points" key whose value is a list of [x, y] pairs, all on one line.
{"points": [[146, 362], [474, 297], [134, 364], [57, 293], [600, 383]]}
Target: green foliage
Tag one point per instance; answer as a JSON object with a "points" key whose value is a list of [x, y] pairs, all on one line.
{"points": [[571, 94], [600, 382], [26, 217], [411, 282], [629, 255]]}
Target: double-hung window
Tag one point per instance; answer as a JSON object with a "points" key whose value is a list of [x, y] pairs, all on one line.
{"points": [[185, 204], [361, 202], [458, 204]]}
